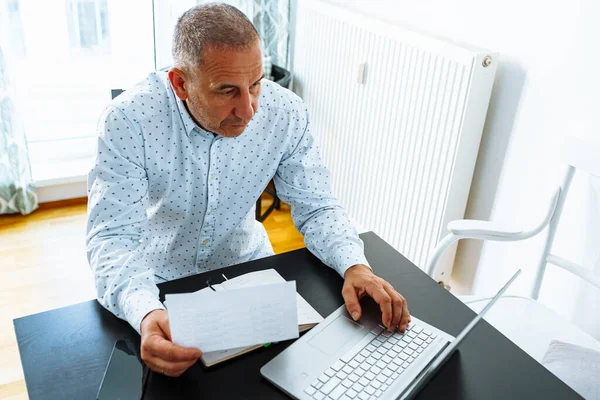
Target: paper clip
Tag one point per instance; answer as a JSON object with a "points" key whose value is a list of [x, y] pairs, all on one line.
{"points": [[209, 285]]}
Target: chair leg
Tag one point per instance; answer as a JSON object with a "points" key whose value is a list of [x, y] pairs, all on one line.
{"points": [[277, 202], [258, 209], [276, 205]]}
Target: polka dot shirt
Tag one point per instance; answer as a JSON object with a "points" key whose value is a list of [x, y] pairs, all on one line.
{"points": [[168, 199]]}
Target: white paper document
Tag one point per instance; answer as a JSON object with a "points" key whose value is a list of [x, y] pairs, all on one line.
{"points": [[232, 318], [306, 314]]}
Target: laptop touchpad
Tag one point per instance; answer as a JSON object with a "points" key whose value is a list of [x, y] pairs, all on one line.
{"points": [[336, 335]]}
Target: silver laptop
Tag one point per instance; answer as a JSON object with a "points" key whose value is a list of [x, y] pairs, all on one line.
{"points": [[343, 359]]}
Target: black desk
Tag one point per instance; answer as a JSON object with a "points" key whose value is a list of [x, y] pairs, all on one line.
{"points": [[64, 352]]}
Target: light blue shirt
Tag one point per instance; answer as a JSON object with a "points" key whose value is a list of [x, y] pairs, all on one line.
{"points": [[168, 199]]}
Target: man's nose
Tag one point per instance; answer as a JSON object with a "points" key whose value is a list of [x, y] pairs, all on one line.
{"points": [[245, 108]]}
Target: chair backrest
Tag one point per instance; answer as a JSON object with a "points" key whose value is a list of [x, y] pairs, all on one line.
{"points": [[581, 153]]}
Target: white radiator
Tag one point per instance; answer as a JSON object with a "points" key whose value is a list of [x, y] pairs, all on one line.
{"points": [[398, 116]]}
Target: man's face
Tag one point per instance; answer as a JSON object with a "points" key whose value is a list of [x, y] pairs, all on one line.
{"points": [[222, 96]]}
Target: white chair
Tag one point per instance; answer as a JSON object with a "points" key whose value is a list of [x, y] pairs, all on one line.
{"points": [[529, 324]]}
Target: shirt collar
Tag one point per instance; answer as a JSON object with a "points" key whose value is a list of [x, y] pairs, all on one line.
{"points": [[188, 122]]}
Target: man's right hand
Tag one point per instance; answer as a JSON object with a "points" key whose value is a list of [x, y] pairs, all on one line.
{"points": [[158, 351]]}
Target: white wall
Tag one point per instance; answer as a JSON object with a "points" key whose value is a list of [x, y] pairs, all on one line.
{"points": [[546, 85]]}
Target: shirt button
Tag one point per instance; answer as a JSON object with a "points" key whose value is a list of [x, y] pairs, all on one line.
{"points": [[209, 212], [205, 242], [212, 177]]}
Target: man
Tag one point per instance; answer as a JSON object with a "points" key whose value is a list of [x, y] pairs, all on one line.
{"points": [[182, 158]]}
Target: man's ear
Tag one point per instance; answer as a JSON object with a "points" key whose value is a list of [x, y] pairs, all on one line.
{"points": [[178, 80]]}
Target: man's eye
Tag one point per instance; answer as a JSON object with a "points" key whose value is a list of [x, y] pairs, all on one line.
{"points": [[227, 92]]}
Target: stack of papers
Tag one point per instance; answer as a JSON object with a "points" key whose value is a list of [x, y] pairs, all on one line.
{"points": [[239, 315]]}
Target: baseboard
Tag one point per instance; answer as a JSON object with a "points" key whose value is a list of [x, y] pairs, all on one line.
{"points": [[61, 191]]}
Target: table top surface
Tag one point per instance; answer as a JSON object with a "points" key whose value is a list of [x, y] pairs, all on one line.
{"points": [[64, 352]]}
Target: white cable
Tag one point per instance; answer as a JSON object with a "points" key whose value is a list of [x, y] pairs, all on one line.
{"points": [[491, 297]]}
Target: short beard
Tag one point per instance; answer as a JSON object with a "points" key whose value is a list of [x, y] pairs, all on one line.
{"points": [[189, 105]]}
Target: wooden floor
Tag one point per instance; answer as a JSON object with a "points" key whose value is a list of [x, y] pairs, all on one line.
{"points": [[43, 266]]}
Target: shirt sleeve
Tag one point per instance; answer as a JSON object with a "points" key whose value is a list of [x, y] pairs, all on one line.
{"points": [[303, 181], [117, 202]]}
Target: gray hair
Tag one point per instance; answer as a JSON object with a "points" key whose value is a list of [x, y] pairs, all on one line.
{"points": [[212, 25]]}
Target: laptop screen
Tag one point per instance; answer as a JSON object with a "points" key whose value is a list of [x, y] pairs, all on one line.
{"points": [[441, 359]]}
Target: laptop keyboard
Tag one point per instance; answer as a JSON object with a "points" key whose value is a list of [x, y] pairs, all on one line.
{"points": [[369, 368]]}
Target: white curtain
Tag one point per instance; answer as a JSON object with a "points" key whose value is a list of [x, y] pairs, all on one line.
{"points": [[272, 21], [17, 194]]}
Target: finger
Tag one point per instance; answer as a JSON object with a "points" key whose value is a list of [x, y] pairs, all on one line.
{"points": [[384, 300], [164, 325], [351, 300], [405, 320], [168, 351], [169, 368], [397, 305]]}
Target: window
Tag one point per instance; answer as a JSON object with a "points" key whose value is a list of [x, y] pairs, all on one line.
{"points": [[65, 57], [88, 25], [15, 26]]}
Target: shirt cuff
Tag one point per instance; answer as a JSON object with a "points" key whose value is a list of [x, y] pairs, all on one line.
{"points": [[346, 257], [138, 305]]}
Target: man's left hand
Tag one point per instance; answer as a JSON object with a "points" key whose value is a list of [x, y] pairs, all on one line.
{"points": [[360, 280]]}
